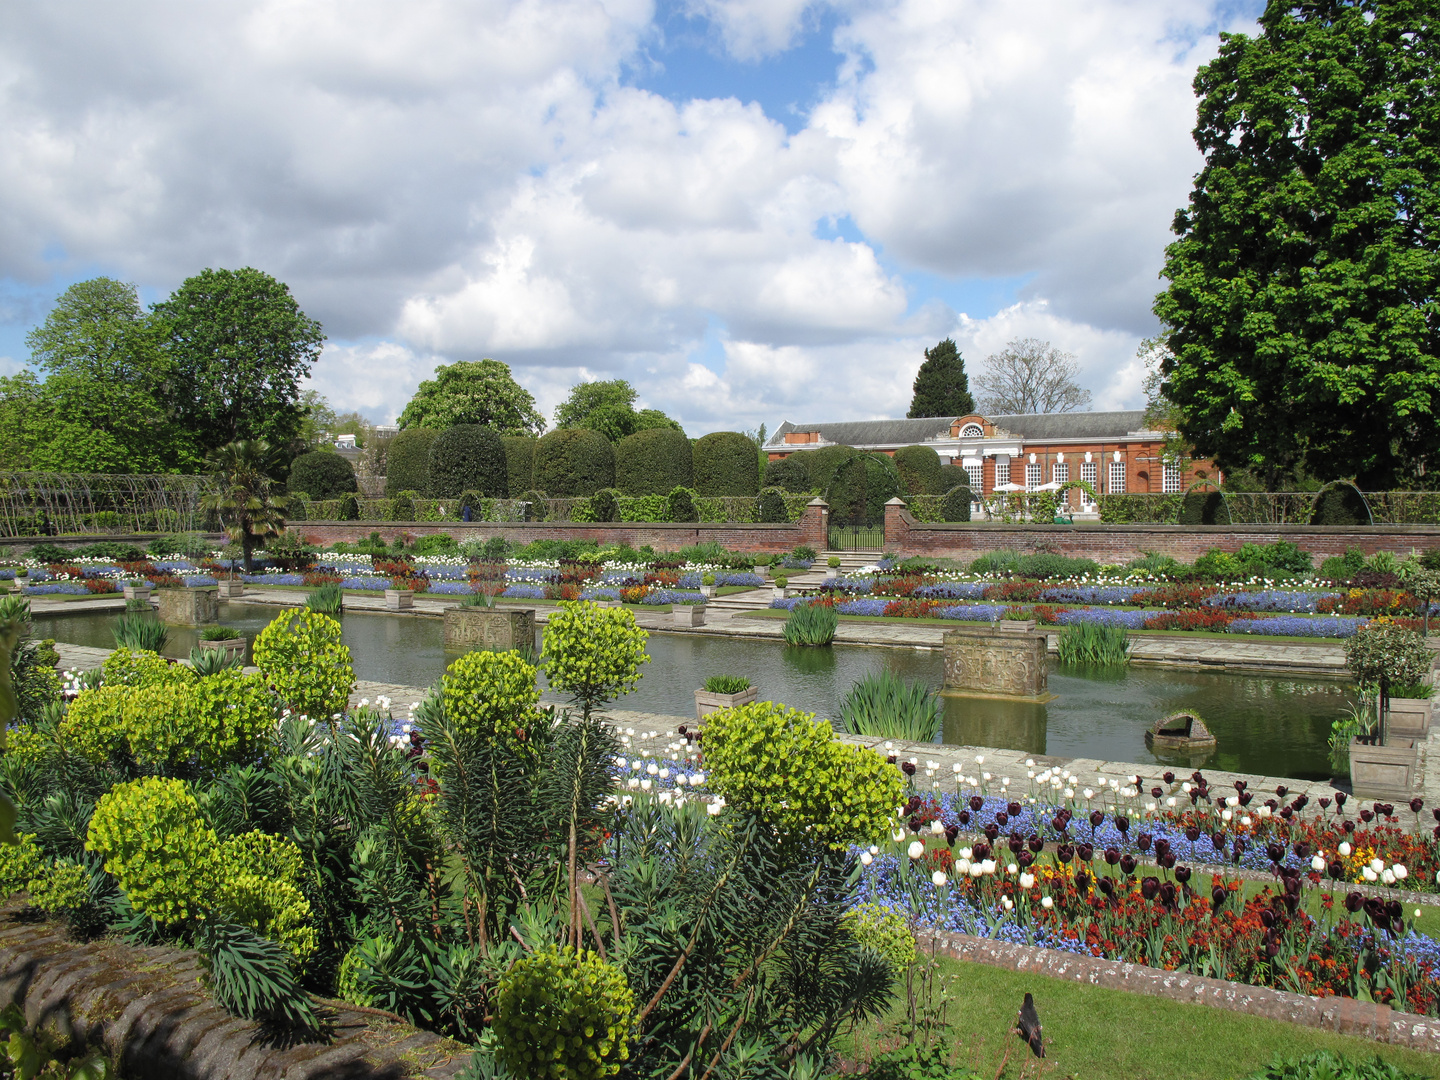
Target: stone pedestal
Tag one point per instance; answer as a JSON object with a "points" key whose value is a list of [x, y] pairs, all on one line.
{"points": [[1385, 772], [706, 702], [189, 607], [998, 663], [231, 590], [493, 629], [399, 599], [689, 614]]}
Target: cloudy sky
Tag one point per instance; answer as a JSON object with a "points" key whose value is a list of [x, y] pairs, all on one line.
{"points": [[755, 210]]}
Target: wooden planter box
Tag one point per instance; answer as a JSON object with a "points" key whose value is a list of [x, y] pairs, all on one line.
{"points": [[399, 599], [231, 590], [494, 629], [1386, 772], [189, 607], [706, 702], [1408, 718], [689, 614], [231, 647], [139, 592]]}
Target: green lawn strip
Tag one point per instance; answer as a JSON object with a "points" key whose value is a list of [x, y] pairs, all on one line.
{"points": [[1093, 1033]]}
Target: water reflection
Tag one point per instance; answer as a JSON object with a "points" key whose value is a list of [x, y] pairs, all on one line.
{"points": [[1013, 725]]}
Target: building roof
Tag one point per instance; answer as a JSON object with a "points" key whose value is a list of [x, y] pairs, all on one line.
{"points": [[1030, 426]]}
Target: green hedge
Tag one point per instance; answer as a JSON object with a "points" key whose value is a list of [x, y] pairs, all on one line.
{"points": [[653, 462], [468, 457], [519, 463], [574, 462], [788, 474], [1139, 509], [1340, 504], [322, 474], [955, 506], [1203, 508], [680, 505], [407, 461], [861, 487], [822, 463], [771, 505], [920, 471], [726, 463]]}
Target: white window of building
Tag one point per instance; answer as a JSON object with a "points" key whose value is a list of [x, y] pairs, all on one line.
{"points": [[1088, 472], [1060, 474], [1170, 484], [972, 431], [977, 477], [1002, 471], [1117, 478], [1033, 476]]}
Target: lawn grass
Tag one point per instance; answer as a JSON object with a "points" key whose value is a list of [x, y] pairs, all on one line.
{"points": [[1099, 1034]]}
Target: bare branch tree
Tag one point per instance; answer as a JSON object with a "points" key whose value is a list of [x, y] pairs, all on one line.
{"points": [[1030, 376]]}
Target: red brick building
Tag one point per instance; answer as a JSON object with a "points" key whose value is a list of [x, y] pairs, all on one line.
{"points": [[1114, 451]]}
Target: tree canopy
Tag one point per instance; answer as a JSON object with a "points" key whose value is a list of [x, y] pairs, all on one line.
{"points": [[1301, 310], [1030, 376], [240, 345], [473, 392], [941, 386], [608, 406]]}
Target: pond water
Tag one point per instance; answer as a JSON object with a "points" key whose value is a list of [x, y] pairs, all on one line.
{"points": [[1265, 725]]}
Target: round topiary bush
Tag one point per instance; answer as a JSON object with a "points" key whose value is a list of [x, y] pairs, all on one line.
{"points": [[401, 507], [788, 474], [956, 504], [322, 474], [605, 505], [407, 461], [680, 505], [593, 653], [519, 463], [308, 668], [468, 457], [919, 468], [1340, 504], [861, 487], [1203, 508], [822, 463], [952, 476], [653, 462], [726, 463], [489, 695], [772, 505], [574, 462]]}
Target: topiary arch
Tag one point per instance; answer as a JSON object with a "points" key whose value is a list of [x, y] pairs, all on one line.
{"points": [[1203, 507], [1083, 485], [1341, 503]]}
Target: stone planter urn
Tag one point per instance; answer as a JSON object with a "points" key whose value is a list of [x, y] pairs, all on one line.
{"points": [[831, 572], [779, 592], [706, 702], [232, 590], [139, 592], [231, 647], [489, 629], [189, 607], [1408, 718], [689, 614], [1386, 772], [707, 591], [399, 599]]}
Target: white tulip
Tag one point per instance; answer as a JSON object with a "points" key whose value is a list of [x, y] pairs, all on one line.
{"points": [[652, 768], [1377, 865], [899, 835], [866, 858], [1170, 801], [916, 849], [979, 759], [1011, 869], [1317, 864], [620, 762], [1069, 793], [1388, 877], [937, 826], [1006, 903], [1369, 874], [633, 783], [1264, 811], [1345, 848], [1004, 781], [1226, 815], [986, 776], [965, 853], [874, 849], [1233, 801], [1031, 774], [962, 867], [714, 808], [1185, 787], [1245, 820], [646, 784], [1149, 807], [956, 767], [939, 878], [1027, 880], [664, 774], [1400, 872], [989, 866], [1029, 762], [1088, 793], [976, 869]]}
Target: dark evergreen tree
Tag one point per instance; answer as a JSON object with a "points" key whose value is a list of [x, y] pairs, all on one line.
{"points": [[941, 386]]}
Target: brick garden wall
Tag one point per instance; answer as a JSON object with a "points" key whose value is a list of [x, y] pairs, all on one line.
{"points": [[1120, 543]]}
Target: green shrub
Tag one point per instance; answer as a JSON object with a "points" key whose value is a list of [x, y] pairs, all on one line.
{"points": [[821, 464], [605, 505], [1043, 566], [772, 506], [301, 655], [139, 667], [788, 769], [401, 506], [259, 887], [407, 461], [468, 457], [956, 504], [653, 462], [1382, 650], [953, 476], [563, 1014], [593, 653], [995, 562], [919, 468], [490, 694], [349, 508], [1203, 508], [207, 662], [574, 462], [811, 624], [1340, 504], [861, 487], [726, 463], [804, 553], [726, 684], [109, 549], [93, 726], [680, 505], [788, 474], [1094, 644], [153, 839], [1328, 1065], [885, 706], [885, 931], [519, 463], [322, 474]]}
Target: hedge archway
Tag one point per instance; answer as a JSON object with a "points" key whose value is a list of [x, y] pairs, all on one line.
{"points": [[1341, 503], [1203, 507]]}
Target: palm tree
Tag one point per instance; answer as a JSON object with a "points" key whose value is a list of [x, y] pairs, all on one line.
{"points": [[243, 499]]}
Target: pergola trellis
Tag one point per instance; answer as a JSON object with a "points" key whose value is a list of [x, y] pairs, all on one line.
{"points": [[45, 503]]}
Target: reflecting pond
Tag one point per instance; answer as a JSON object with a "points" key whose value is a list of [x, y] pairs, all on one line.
{"points": [[1266, 725]]}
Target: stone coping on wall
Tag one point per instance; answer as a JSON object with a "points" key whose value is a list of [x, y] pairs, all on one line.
{"points": [[146, 1008], [1346, 1016]]}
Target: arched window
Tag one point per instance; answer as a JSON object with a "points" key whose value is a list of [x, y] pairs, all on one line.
{"points": [[972, 431]]}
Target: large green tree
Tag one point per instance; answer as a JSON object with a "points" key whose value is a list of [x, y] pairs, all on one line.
{"points": [[240, 346], [473, 392], [1301, 312], [608, 406], [941, 386]]}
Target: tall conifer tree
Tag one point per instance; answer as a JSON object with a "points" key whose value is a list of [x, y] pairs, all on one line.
{"points": [[941, 386]]}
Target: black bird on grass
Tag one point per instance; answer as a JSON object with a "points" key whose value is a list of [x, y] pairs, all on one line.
{"points": [[1027, 1026]]}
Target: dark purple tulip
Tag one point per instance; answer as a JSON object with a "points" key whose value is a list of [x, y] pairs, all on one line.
{"points": [[1192, 833], [1149, 887], [1107, 886], [1325, 802], [963, 817], [1016, 845], [1082, 880], [976, 802], [1167, 860], [1182, 874], [1272, 949], [992, 832], [1156, 792], [1300, 802], [1112, 855], [1245, 798], [1382, 922], [1064, 853], [1035, 844], [1436, 812], [1168, 777], [1282, 791], [1275, 852], [1286, 813], [1013, 809], [1348, 826], [1241, 785], [981, 852], [914, 823], [1217, 898], [1373, 906], [890, 758], [1196, 777], [1337, 869], [1084, 852], [1122, 823], [912, 804], [951, 832], [1001, 818], [1167, 894], [1161, 847], [1301, 849], [1272, 804], [1340, 798], [1025, 859], [1394, 909], [1058, 822], [1142, 841], [1218, 841], [908, 768], [1354, 902], [1127, 864], [1367, 816], [1267, 918], [1097, 818]]}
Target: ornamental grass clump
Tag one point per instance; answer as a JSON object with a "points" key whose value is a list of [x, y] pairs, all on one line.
{"points": [[811, 624], [140, 631], [726, 684], [885, 706], [564, 1014], [328, 599], [1094, 645]]}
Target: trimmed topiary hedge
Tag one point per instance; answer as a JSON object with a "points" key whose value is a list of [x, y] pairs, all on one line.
{"points": [[680, 505], [861, 487], [772, 505], [952, 476], [519, 463], [322, 474], [1340, 504], [407, 461], [1203, 508], [822, 463], [788, 474], [537, 505], [574, 462], [653, 462], [919, 468], [468, 457], [605, 505], [955, 506], [349, 508], [726, 463]]}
